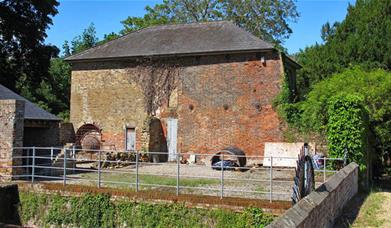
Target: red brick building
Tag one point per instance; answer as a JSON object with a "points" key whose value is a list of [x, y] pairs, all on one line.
{"points": [[193, 87]]}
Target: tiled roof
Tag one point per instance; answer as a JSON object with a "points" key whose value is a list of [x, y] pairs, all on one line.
{"points": [[31, 110], [179, 39]]}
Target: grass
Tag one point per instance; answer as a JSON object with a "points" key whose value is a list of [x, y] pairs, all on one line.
{"points": [[149, 179], [368, 215]]}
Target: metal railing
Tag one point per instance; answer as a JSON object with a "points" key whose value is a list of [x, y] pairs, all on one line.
{"points": [[139, 172]]}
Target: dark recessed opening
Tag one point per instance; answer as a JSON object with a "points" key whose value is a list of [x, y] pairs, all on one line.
{"points": [[225, 106], [258, 107], [227, 57], [191, 107]]}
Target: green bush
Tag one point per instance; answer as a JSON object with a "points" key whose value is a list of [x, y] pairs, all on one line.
{"points": [[347, 129], [373, 86]]}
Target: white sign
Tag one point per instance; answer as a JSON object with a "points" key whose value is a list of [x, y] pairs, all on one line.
{"points": [[284, 154]]}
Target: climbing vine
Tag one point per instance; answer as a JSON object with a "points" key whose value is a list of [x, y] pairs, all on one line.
{"points": [[347, 129], [157, 79]]}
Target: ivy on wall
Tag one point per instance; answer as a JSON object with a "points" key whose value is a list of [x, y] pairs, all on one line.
{"points": [[347, 128], [157, 79]]}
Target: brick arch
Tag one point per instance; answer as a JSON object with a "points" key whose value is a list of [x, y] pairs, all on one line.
{"points": [[89, 136]]}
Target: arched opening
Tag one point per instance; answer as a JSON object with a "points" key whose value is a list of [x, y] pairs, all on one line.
{"points": [[89, 137]]}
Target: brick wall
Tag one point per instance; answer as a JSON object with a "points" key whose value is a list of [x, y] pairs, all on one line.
{"points": [[323, 206], [229, 103], [220, 101], [11, 135]]}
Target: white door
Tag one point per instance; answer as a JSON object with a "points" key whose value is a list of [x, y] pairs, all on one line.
{"points": [[130, 139], [172, 129]]}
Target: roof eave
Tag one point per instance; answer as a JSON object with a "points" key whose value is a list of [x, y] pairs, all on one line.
{"points": [[291, 61], [169, 55]]}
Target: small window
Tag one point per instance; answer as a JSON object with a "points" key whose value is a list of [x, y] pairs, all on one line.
{"points": [[130, 138]]}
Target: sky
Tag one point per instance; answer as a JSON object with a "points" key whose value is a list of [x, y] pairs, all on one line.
{"points": [[76, 15]]}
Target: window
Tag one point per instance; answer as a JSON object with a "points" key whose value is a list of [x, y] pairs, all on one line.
{"points": [[130, 138]]}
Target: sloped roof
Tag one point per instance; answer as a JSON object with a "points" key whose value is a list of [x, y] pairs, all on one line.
{"points": [[180, 39], [31, 111]]}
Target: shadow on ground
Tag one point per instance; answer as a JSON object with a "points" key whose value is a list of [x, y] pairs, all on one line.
{"points": [[351, 211]]}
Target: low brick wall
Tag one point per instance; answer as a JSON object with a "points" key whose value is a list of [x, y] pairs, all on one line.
{"points": [[323, 206]]}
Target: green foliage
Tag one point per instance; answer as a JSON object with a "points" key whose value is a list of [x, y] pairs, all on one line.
{"points": [[23, 54], [373, 86], [108, 37], [265, 19], [31, 206], [99, 211], [86, 40], [362, 38], [347, 128]]}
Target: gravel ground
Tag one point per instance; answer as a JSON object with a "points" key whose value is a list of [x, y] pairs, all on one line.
{"points": [[235, 182]]}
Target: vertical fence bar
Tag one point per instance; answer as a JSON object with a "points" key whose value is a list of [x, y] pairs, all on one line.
{"points": [[99, 167], [33, 166], [137, 180], [51, 153], [324, 169], [65, 167], [177, 173], [28, 161], [271, 179], [73, 152], [222, 177]]}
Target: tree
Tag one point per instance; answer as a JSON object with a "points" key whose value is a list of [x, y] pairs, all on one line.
{"points": [[328, 31], [265, 19], [362, 38], [24, 59], [86, 40], [108, 37]]}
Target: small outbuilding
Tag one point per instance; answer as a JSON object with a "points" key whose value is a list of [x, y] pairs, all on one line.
{"points": [[23, 124]]}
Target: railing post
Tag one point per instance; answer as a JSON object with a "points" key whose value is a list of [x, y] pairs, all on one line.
{"points": [[271, 179], [28, 161], [51, 153], [137, 178], [324, 169], [65, 167], [33, 166], [222, 177], [99, 168], [177, 173], [73, 152]]}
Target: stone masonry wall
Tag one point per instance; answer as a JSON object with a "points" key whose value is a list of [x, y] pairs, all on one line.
{"points": [[323, 206], [107, 98], [221, 101], [11, 135]]}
